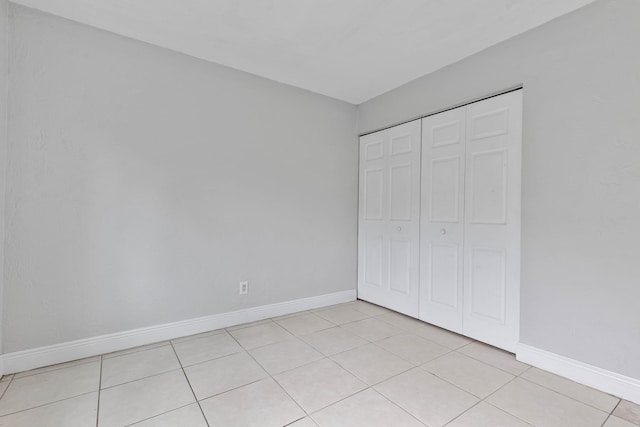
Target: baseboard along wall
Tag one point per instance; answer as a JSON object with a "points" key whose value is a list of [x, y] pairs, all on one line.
{"points": [[79, 349]]}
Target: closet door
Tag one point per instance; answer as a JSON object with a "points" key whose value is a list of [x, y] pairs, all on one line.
{"points": [[388, 218], [442, 219], [492, 220]]}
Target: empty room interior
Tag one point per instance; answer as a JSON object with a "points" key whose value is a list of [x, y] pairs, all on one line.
{"points": [[320, 213]]}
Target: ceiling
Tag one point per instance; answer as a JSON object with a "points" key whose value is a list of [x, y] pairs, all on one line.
{"points": [[352, 50]]}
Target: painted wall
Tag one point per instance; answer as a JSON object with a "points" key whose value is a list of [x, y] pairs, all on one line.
{"points": [[4, 95], [144, 184], [581, 173]]}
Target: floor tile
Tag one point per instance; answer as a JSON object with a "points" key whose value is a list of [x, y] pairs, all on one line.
{"points": [[469, 374], [261, 404], [597, 399], [485, 415], [223, 374], [319, 384], [249, 324], [494, 357], [6, 378], [77, 411], [3, 387], [197, 336], [426, 397], [58, 366], [371, 364], [372, 329], [135, 349], [304, 422], [206, 348], [543, 407], [341, 315], [334, 340], [413, 348], [257, 336], [134, 366], [441, 336], [400, 321], [188, 416], [138, 400], [284, 356], [367, 408], [628, 411], [370, 309], [614, 421], [49, 387], [304, 324]]}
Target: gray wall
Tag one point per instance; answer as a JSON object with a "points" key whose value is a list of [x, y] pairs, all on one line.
{"points": [[4, 101], [144, 184], [581, 173], [4, 94]]}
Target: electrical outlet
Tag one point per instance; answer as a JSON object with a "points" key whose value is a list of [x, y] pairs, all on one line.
{"points": [[244, 287]]}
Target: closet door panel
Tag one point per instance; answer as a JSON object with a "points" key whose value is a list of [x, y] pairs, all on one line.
{"points": [[492, 220], [388, 226], [442, 219]]}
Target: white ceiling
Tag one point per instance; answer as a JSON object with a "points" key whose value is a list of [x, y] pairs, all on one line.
{"points": [[347, 49]]}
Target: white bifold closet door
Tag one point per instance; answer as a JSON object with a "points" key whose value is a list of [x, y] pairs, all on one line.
{"points": [[389, 218], [470, 220]]}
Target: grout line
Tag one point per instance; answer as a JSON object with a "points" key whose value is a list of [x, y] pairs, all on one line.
{"points": [[48, 403], [158, 415], [57, 367], [134, 350], [272, 377], [567, 396], [189, 383], [508, 413], [463, 412], [396, 405], [99, 389], [141, 378], [8, 385]]}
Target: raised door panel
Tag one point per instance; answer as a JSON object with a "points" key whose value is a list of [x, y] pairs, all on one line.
{"points": [[388, 223], [492, 220], [441, 220]]}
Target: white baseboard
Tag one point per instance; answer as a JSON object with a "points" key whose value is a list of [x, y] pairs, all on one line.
{"points": [[74, 350], [610, 382]]}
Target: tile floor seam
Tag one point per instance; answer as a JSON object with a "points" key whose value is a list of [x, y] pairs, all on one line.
{"points": [[377, 383], [340, 400], [497, 367], [99, 388], [48, 403], [569, 397], [463, 412], [58, 369], [157, 415], [396, 405], [508, 413], [134, 351], [291, 369], [301, 335], [8, 385], [274, 380], [406, 360], [190, 387], [142, 378], [605, 421], [242, 326], [460, 388], [210, 360]]}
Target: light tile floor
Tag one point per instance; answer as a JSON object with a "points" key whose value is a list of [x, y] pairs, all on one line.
{"points": [[353, 364]]}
